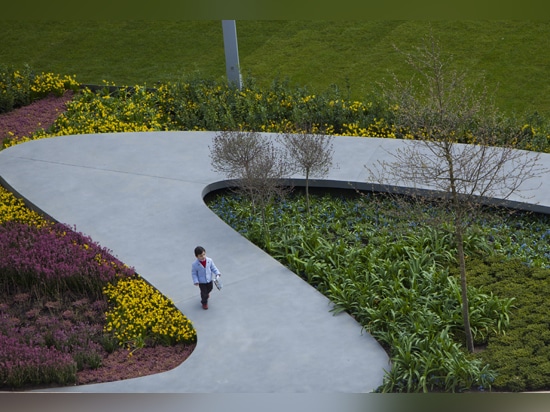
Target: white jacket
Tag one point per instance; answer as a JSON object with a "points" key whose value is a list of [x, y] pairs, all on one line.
{"points": [[202, 274]]}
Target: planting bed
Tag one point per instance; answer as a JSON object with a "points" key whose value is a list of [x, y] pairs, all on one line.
{"points": [[116, 365]]}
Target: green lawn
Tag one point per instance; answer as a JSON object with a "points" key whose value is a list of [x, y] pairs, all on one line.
{"points": [[514, 56]]}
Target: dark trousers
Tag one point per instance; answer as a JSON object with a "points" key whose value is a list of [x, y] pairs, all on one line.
{"points": [[205, 288]]}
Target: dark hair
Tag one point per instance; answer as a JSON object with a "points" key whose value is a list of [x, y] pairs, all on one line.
{"points": [[199, 250]]}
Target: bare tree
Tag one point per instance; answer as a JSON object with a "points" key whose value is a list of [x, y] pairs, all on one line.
{"points": [[441, 110], [233, 152], [256, 165], [311, 154]]}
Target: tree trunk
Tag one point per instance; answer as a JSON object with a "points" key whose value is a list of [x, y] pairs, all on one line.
{"points": [[307, 193], [464, 287], [458, 210], [265, 229]]}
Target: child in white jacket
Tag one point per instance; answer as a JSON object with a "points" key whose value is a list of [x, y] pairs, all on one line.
{"points": [[202, 270]]}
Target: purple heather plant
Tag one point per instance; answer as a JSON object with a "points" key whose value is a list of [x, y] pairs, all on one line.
{"points": [[40, 114], [21, 364], [80, 340], [55, 259]]}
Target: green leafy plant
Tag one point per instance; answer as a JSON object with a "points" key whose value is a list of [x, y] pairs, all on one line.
{"points": [[399, 281]]}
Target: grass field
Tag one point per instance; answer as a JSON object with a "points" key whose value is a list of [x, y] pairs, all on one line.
{"points": [[513, 56]]}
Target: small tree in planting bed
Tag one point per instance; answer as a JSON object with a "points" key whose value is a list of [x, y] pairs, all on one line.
{"points": [[441, 110], [257, 166], [311, 154]]}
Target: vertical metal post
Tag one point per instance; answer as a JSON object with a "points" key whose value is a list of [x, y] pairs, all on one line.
{"points": [[231, 53]]}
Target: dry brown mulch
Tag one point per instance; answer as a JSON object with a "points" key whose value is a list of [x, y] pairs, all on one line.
{"points": [[147, 361]]}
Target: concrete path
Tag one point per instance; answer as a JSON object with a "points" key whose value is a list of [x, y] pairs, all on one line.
{"points": [[141, 195]]}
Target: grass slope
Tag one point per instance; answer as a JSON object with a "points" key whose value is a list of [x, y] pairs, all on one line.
{"points": [[513, 56]]}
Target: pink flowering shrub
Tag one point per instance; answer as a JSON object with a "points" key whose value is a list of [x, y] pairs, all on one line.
{"points": [[54, 260], [52, 307], [23, 364], [26, 120], [52, 340]]}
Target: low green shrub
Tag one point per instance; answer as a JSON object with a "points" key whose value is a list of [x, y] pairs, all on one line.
{"points": [[520, 355]]}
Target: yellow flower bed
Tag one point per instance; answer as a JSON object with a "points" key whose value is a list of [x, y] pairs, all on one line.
{"points": [[14, 209], [377, 129], [141, 314], [46, 83], [206, 106]]}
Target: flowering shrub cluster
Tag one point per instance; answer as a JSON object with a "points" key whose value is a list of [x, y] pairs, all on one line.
{"points": [[140, 315], [40, 114], [20, 87], [198, 104], [22, 364], [54, 310], [13, 209], [52, 260], [67, 302], [52, 305], [44, 84], [205, 105], [14, 88], [134, 110], [51, 339]]}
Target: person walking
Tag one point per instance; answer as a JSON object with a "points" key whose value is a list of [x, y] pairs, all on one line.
{"points": [[202, 271]]}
